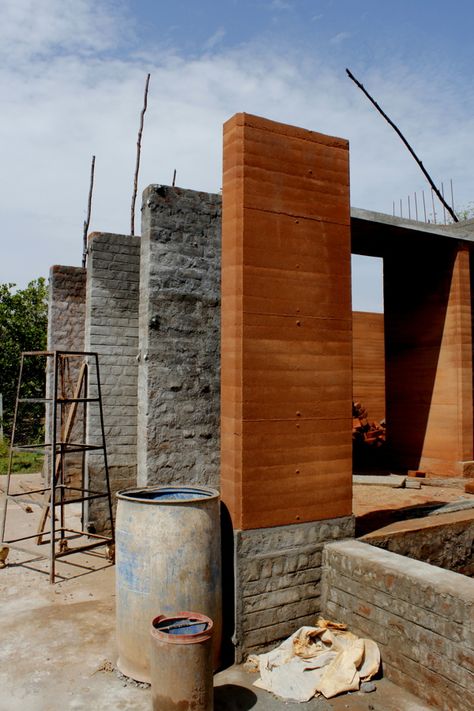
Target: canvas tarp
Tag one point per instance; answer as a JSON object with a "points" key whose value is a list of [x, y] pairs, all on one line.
{"points": [[326, 659]]}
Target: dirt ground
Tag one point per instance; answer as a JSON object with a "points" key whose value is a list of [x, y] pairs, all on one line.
{"points": [[57, 642], [378, 506]]}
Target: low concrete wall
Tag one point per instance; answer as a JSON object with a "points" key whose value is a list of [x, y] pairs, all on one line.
{"points": [[278, 580], [421, 616], [445, 540]]}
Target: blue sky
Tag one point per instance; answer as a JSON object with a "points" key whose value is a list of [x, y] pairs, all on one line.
{"points": [[72, 74], [361, 31]]}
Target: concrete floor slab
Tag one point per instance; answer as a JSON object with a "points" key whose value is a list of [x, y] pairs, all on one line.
{"points": [[58, 653]]}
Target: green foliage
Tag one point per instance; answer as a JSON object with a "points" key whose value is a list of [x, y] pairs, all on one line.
{"points": [[24, 462], [466, 213], [23, 327]]}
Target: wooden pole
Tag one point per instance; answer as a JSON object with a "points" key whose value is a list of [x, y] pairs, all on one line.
{"points": [[137, 164], [400, 134], [88, 219]]}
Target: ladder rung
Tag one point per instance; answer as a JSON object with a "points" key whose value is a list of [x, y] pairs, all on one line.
{"points": [[79, 499], [66, 448], [60, 494], [28, 502], [76, 399], [30, 447], [35, 399]]}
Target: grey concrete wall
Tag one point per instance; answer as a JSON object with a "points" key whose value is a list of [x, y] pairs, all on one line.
{"points": [[178, 413], [66, 325], [421, 617], [278, 580], [66, 308], [112, 332]]}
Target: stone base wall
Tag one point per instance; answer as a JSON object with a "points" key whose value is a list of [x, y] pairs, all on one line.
{"points": [[112, 332], [278, 580], [421, 617]]}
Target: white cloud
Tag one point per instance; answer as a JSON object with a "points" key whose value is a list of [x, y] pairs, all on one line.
{"points": [[340, 38], [62, 106], [215, 38], [41, 27], [281, 5]]}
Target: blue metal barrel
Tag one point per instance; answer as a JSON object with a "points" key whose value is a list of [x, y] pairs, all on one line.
{"points": [[168, 558]]}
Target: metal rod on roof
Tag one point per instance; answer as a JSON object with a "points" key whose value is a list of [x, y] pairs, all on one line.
{"points": [[444, 209], [400, 134], [424, 205], [452, 193], [174, 178], [409, 208], [416, 208], [434, 211], [401, 208], [393, 210]]}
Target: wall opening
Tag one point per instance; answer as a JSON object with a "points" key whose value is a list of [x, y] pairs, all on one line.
{"points": [[368, 363]]}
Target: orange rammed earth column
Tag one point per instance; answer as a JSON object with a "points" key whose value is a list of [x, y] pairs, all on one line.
{"points": [[286, 325]]}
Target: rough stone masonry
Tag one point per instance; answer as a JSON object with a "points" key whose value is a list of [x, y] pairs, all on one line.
{"points": [[178, 381]]}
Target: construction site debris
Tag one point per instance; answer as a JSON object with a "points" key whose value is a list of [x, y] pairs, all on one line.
{"points": [[368, 438], [4, 551], [365, 431], [412, 484], [324, 660], [395, 481]]}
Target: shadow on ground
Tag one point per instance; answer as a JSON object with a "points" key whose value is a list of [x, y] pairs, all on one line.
{"points": [[231, 697], [372, 521]]}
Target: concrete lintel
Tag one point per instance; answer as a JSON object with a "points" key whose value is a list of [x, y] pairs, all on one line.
{"points": [[457, 231]]}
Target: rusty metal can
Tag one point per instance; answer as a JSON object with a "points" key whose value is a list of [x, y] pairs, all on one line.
{"points": [[181, 662], [168, 559]]}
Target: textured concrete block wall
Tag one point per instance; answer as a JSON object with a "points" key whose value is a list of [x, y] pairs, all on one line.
{"points": [[112, 332], [368, 362], [66, 326], [179, 370], [278, 580], [66, 308], [286, 325], [421, 617]]}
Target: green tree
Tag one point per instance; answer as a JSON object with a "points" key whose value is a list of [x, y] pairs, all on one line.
{"points": [[23, 327], [466, 212]]}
